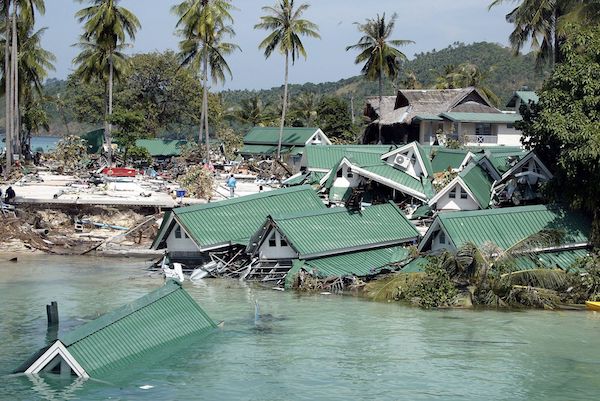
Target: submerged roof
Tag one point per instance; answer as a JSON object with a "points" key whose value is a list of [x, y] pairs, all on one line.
{"points": [[339, 230], [359, 264], [161, 147], [118, 338], [234, 221], [508, 226], [292, 136]]}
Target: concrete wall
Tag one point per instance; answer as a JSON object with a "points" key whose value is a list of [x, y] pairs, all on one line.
{"points": [[457, 203], [509, 136], [269, 252]]}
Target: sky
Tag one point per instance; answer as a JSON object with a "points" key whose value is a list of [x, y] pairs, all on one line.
{"points": [[432, 24]]}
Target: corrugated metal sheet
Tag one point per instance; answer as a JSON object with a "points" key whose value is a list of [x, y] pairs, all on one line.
{"points": [[162, 231], [236, 220], [338, 230], [161, 147], [292, 136], [358, 264], [416, 265], [447, 158], [479, 183], [400, 177], [271, 149], [505, 227], [426, 156], [327, 157], [501, 160], [120, 336], [563, 260]]}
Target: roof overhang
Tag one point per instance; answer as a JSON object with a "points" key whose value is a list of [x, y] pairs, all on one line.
{"points": [[57, 349]]}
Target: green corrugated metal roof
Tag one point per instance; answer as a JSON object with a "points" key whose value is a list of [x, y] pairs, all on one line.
{"points": [[416, 265], [236, 220], [162, 316], [426, 156], [525, 96], [479, 183], [506, 227], [268, 150], [339, 194], [292, 136], [400, 177], [310, 178], [360, 264], [338, 230], [563, 259], [501, 118], [445, 158], [161, 147], [500, 160], [94, 140], [162, 231], [327, 156]]}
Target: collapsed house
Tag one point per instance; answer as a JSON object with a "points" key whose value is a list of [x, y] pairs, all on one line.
{"points": [[162, 150], [263, 142], [402, 175], [190, 233], [499, 230], [119, 338], [435, 116], [334, 241]]}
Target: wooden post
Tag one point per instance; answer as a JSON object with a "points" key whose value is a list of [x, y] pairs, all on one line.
{"points": [[52, 313]]}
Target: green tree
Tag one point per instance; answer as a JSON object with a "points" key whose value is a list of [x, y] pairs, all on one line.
{"points": [[563, 128], [378, 51], [106, 29], [411, 81], [305, 108], [287, 26], [335, 119], [253, 112], [129, 128], [204, 28]]}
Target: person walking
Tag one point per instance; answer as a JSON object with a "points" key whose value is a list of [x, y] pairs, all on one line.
{"points": [[231, 183]]}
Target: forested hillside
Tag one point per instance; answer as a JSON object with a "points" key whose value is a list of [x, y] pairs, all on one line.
{"points": [[503, 73]]}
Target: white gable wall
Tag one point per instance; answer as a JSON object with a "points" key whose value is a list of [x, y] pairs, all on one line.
{"points": [[458, 202], [319, 138], [441, 241], [348, 179], [182, 244], [414, 167], [273, 248]]}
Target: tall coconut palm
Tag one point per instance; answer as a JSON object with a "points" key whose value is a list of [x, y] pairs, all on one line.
{"points": [[536, 21], [286, 24], [378, 51], [204, 25], [25, 11], [106, 26], [253, 111]]}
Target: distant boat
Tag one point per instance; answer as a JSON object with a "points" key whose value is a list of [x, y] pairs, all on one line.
{"points": [[595, 306]]}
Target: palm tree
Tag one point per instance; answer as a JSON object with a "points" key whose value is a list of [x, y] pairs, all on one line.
{"points": [[448, 78], [287, 26], [204, 28], [411, 81], [34, 62], [24, 10], [537, 21], [106, 28], [253, 111], [378, 51], [306, 108]]}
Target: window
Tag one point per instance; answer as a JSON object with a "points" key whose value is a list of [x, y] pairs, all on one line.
{"points": [[340, 173], [510, 126], [483, 129], [452, 194], [273, 241], [178, 232], [283, 242], [349, 174], [442, 237], [463, 194]]}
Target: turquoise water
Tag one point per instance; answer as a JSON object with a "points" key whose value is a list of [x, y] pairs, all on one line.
{"points": [[308, 347], [45, 143]]}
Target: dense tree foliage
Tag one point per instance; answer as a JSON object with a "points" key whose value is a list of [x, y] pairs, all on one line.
{"points": [[335, 119], [564, 127]]}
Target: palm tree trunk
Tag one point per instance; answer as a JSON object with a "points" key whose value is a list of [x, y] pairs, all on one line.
{"points": [[7, 92], [107, 124], [204, 116], [15, 84], [379, 139], [284, 108]]}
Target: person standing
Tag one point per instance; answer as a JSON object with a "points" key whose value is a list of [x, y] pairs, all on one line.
{"points": [[231, 183]]}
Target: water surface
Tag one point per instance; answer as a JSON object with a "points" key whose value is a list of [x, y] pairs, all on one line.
{"points": [[305, 347]]}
